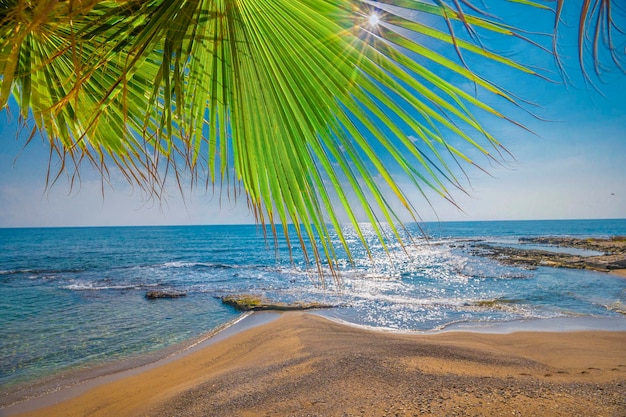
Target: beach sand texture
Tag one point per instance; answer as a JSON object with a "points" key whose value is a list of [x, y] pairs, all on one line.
{"points": [[304, 365]]}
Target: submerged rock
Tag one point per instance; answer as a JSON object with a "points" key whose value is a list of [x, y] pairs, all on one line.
{"points": [[254, 303], [155, 294]]}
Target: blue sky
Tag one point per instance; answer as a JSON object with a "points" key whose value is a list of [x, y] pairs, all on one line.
{"points": [[573, 167]]}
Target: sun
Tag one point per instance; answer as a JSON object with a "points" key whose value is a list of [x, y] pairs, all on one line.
{"points": [[374, 19]]}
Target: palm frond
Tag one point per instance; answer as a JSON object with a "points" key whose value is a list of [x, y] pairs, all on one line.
{"points": [[601, 31], [306, 103]]}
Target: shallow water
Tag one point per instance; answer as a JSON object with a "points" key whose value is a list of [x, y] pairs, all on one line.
{"points": [[74, 297]]}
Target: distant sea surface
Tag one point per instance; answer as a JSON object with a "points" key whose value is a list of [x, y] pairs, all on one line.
{"points": [[75, 297]]}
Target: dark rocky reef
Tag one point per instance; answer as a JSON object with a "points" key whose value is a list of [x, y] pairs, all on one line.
{"points": [[613, 253], [613, 245], [254, 303], [156, 294]]}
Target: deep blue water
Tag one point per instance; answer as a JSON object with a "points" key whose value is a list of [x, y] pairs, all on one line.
{"points": [[73, 297]]}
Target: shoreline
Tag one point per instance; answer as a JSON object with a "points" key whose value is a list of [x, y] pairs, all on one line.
{"points": [[270, 346], [47, 390], [533, 325], [29, 395]]}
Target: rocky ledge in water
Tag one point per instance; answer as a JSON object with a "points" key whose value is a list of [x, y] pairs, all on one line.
{"points": [[156, 294], [613, 255], [254, 303], [614, 245]]}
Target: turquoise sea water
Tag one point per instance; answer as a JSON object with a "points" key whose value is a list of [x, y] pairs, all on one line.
{"points": [[74, 297]]}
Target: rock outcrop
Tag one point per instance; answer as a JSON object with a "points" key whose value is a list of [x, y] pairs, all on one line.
{"points": [[156, 294], [613, 253], [612, 245], [254, 303]]}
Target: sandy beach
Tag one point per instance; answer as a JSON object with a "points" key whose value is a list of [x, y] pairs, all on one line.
{"points": [[301, 364]]}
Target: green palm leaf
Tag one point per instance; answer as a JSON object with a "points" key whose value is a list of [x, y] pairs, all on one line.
{"points": [[305, 103]]}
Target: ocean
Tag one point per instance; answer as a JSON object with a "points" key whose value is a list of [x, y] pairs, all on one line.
{"points": [[74, 298]]}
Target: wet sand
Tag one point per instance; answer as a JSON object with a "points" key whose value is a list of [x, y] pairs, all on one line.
{"points": [[304, 365]]}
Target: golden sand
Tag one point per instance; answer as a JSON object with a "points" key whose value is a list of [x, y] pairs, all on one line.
{"points": [[304, 365]]}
